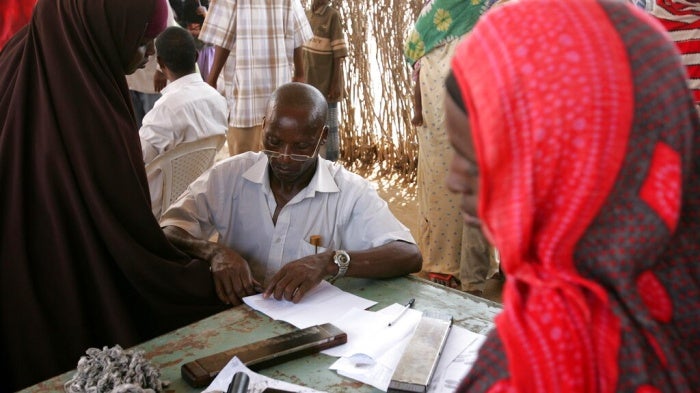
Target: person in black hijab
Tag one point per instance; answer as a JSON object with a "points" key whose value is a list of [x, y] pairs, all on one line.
{"points": [[84, 262]]}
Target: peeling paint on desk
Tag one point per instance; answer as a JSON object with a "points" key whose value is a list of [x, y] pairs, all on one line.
{"points": [[241, 325]]}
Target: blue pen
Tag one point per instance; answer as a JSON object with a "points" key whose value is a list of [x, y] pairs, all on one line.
{"points": [[405, 308]]}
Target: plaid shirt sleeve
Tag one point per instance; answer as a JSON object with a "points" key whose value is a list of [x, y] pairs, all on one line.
{"points": [[302, 32], [219, 27]]}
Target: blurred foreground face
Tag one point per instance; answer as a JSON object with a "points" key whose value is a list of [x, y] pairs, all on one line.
{"points": [[463, 177], [140, 57]]}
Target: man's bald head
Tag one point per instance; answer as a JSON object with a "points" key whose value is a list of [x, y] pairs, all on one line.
{"points": [[299, 97]]}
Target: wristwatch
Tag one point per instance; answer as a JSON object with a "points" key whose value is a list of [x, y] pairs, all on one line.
{"points": [[342, 259]]}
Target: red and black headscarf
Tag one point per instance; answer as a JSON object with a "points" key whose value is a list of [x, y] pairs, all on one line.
{"points": [[589, 157]]}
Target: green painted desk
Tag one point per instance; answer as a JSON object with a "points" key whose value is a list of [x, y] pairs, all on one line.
{"points": [[242, 325]]}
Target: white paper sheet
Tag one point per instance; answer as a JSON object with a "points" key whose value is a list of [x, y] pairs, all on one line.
{"points": [[257, 383], [368, 332], [379, 374], [457, 358], [371, 357], [322, 304]]}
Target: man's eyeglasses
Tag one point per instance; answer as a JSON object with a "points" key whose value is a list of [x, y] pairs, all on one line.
{"points": [[294, 157]]}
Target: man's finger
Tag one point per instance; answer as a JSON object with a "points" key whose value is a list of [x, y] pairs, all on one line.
{"points": [[281, 291], [301, 290]]}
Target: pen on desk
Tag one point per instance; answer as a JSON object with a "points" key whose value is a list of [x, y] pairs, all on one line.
{"points": [[405, 308]]}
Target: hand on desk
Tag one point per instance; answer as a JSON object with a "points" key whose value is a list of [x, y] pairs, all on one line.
{"points": [[232, 276], [297, 278]]}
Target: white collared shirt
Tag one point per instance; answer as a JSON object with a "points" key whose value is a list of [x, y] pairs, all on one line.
{"points": [[189, 110], [234, 200]]}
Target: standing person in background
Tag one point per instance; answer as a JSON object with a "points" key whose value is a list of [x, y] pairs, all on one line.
{"points": [[455, 255], [84, 262], [264, 41], [578, 153], [681, 18], [195, 11], [178, 8], [146, 83], [323, 60]]}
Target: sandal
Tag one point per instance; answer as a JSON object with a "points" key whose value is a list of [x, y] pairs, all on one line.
{"points": [[447, 280]]}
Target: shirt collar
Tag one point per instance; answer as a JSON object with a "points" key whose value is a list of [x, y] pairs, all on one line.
{"points": [[182, 81], [322, 181], [321, 10]]}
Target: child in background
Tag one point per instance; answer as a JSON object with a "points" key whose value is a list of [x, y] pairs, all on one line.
{"points": [[194, 13]]}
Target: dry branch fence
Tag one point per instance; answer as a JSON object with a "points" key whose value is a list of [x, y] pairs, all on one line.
{"points": [[376, 134]]}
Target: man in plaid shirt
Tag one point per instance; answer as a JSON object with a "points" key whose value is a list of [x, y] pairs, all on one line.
{"points": [[259, 47]]}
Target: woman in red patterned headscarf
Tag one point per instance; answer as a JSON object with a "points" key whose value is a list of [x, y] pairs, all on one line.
{"points": [[83, 261], [575, 131], [14, 14]]}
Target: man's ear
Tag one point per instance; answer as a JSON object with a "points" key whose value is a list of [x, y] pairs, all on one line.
{"points": [[196, 56], [161, 63], [324, 135]]}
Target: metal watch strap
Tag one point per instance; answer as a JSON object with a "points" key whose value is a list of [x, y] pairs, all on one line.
{"points": [[342, 259]]}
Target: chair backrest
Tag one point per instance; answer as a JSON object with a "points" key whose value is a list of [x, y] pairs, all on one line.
{"points": [[182, 164]]}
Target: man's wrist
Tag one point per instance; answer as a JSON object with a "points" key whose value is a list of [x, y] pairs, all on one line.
{"points": [[341, 259], [211, 251]]}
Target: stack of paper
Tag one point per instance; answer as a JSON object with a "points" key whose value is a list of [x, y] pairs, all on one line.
{"points": [[376, 348], [373, 349]]}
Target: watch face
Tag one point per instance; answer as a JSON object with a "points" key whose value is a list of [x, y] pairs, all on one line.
{"points": [[342, 258]]}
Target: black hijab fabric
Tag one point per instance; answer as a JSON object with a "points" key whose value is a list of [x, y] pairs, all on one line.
{"points": [[84, 262]]}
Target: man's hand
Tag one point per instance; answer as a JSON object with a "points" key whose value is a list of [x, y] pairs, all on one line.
{"points": [[334, 92], [417, 119], [232, 276], [297, 278]]}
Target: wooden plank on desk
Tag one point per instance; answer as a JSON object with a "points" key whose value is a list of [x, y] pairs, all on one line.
{"points": [[265, 353]]}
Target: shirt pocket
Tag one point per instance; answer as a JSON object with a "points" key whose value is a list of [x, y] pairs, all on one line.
{"points": [[306, 249]]}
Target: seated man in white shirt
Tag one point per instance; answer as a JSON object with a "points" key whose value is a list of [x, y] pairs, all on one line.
{"points": [[269, 207], [189, 109]]}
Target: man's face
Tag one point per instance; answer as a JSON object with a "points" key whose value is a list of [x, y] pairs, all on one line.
{"points": [[463, 176], [140, 56], [288, 132]]}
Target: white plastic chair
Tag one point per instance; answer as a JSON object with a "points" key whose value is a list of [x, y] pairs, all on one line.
{"points": [[181, 165]]}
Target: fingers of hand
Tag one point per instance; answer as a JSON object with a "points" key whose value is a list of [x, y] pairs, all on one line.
{"points": [[229, 286], [301, 291]]}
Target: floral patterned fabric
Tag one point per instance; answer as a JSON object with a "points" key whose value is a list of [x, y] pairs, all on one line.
{"points": [[440, 22]]}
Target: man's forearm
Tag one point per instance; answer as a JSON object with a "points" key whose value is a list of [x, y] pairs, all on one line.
{"points": [[394, 259], [299, 65], [220, 56], [192, 246], [335, 87]]}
